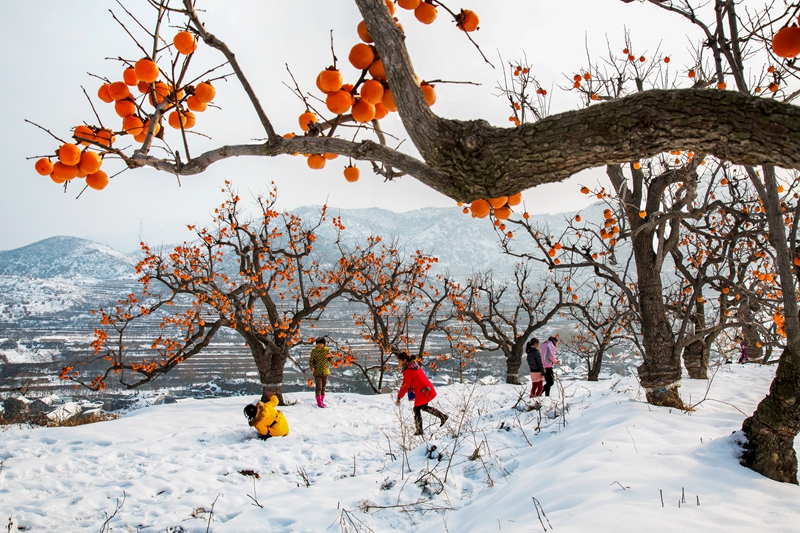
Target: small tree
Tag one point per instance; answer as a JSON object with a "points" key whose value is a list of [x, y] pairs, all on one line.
{"points": [[603, 316], [508, 313]]}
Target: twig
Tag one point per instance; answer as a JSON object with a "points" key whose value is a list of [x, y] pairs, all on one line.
{"points": [[661, 494], [104, 528], [538, 507], [620, 484], [254, 497], [48, 131], [346, 516], [93, 108], [633, 441], [211, 512], [126, 29]]}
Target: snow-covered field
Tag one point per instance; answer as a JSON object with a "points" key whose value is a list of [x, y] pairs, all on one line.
{"points": [[345, 469]]}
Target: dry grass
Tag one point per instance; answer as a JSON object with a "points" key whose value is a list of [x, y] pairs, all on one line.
{"points": [[43, 421]]}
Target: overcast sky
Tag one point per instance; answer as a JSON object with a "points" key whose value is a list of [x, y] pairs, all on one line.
{"points": [[49, 48]]}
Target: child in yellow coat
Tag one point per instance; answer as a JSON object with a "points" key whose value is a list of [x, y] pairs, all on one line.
{"points": [[268, 421]]}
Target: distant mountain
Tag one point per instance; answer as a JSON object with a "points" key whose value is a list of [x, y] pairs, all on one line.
{"points": [[463, 245], [69, 258]]}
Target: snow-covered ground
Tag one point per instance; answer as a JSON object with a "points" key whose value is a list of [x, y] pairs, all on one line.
{"points": [[345, 469]]}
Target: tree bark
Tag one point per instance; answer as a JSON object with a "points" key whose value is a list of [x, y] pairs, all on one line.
{"points": [[695, 359], [270, 365], [597, 363], [771, 430], [466, 160], [513, 364], [750, 334], [660, 372]]}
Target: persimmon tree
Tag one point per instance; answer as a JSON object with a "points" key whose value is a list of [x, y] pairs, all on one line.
{"points": [[508, 313], [400, 304], [462, 159], [258, 277], [732, 40], [602, 317]]}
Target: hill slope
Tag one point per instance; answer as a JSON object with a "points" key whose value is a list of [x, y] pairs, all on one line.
{"points": [[605, 470], [66, 257]]}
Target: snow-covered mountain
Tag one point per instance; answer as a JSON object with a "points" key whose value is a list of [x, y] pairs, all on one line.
{"points": [[69, 258], [463, 245]]}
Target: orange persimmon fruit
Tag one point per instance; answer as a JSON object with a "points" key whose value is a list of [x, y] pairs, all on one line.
{"points": [[146, 70], [467, 20], [305, 119], [372, 91], [363, 33], [44, 166], [363, 111], [361, 56], [184, 42], [339, 102], [425, 13], [480, 208], [69, 154], [330, 80], [316, 161], [97, 180], [118, 91], [786, 42], [129, 76], [351, 173]]}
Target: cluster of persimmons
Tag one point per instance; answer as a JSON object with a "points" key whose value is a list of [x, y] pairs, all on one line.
{"points": [[140, 85], [370, 97]]}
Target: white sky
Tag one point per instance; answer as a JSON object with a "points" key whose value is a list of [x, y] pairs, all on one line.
{"points": [[48, 48]]}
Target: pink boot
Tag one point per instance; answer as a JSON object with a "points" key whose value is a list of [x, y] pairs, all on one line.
{"points": [[322, 400], [319, 402]]}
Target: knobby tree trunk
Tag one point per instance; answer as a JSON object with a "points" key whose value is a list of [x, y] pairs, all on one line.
{"points": [[270, 363], [750, 334], [774, 425], [695, 359], [513, 364], [660, 372]]}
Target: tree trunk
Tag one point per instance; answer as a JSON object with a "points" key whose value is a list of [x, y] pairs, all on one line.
{"points": [[771, 430], [513, 363], [660, 372], [695, 359], [270, 365], [594, 369], [773, 427], [755, 353]]}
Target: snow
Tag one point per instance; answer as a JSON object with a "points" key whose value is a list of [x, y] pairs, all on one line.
{"points": [[23, 354], [602, 467]]}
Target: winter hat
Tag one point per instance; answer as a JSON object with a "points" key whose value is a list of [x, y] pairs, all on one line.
{"points": [[250, 411]]}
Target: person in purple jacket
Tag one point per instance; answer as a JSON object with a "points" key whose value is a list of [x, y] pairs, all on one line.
{"points": [[548, 351], [415, 380]]}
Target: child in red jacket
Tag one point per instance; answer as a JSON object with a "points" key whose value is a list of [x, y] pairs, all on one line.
{"points": [[415, 380]]}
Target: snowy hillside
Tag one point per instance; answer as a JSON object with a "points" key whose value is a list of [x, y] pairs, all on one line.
{"points": [[66, 257], [26, 296], [612, 464]]}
